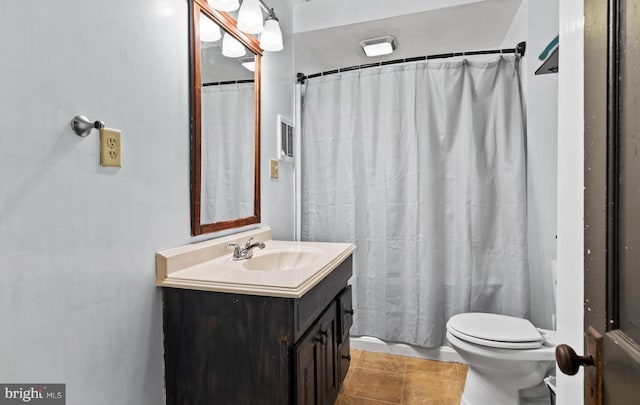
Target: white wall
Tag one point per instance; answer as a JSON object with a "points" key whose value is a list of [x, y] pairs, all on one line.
{"points": [[518, 32], [570, 193], [537, 23], [542, 135], [78, 303], [277, 98], [519, 29], [77, 298], [321, 14]]}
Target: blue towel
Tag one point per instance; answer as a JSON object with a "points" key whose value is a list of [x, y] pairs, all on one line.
{"points": [[549, 48]]}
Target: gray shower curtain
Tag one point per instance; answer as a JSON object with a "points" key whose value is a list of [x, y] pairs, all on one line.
{"points": [[422, 166]]}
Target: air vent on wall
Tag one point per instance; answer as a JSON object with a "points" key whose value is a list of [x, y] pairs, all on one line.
{"points": [[285, 138]]}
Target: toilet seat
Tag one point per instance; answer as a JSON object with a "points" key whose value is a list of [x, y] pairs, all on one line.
{"points": [[494, 330]]}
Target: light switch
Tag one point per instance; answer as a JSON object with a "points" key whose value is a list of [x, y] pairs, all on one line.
{"points": [[273, 169], [110, 150]]}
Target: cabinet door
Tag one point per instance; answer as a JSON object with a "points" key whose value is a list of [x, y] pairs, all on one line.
{"points": [[307, 360], [317, 363], [344, 359], [345, 313], [328, 342]]}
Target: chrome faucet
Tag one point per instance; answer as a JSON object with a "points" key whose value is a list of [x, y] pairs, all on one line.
{"points": [[240, 253]]}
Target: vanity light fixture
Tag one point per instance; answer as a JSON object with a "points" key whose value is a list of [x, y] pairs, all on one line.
{"points": [[231, 47], [378, 46], [209, 31], [271, 38], [250, 17], [250, 21], [248, 62]]}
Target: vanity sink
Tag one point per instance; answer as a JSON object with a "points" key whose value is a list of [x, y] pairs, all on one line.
{"points": [[283, 260], [280, 269], [240, 331]]}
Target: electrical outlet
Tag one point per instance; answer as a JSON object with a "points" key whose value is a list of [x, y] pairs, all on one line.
{"points": [[273, 169], [110, 150]]}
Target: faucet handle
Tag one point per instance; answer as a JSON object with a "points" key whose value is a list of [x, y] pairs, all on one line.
{"points": [[237, 251], [248, 243]]}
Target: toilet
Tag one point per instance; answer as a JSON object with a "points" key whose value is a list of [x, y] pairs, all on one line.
{"points": [[505, 355]]}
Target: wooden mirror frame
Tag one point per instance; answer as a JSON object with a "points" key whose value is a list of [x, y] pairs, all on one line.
{"points": [[227, 23]]}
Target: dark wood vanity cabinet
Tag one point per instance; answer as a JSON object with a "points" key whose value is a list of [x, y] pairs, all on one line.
{"points": [[236, 349]]}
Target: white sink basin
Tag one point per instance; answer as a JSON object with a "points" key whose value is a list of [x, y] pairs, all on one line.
{"points": [[283, 259], [281, 269]]}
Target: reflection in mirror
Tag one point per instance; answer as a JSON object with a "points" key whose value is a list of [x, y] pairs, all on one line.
{"points": [[225, 180], [227, 129]]}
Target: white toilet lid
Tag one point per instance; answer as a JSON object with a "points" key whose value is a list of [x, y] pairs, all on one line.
{"points": [[493, 330]]}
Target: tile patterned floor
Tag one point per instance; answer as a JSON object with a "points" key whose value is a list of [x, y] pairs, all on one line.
{"points": [[384, 379]]}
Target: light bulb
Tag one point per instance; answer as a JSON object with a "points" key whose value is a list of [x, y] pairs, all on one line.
{"points": [[271, 39], [231, 47], [209, 30], [224, 5], [250, 17]]}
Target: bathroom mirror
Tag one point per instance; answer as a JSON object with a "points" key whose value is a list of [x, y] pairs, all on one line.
{"points": [[225, 122]]}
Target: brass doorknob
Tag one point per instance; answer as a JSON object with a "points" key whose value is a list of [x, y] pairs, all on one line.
{"points": [[569, 362]]}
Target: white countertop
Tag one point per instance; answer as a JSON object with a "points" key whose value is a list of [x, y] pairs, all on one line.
{"points": [[209, 266]]}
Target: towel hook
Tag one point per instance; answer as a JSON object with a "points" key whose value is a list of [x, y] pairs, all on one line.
{"points": [[82, 126]]}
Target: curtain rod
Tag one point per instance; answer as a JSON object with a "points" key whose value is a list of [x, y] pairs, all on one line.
{"points": [[227, 82], [519, 50]]}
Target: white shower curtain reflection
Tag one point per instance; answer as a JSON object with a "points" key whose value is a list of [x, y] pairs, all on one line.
{"points": [[228, 132], [422, 166]]}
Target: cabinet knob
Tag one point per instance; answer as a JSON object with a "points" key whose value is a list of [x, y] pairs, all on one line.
{"points": [[347, 357], [348, 311], [322, 336]]}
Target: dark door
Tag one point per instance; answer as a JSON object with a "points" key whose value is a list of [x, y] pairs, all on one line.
{"points": [[307, 379], [316, 362], [612, 201], [328, 367]]}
